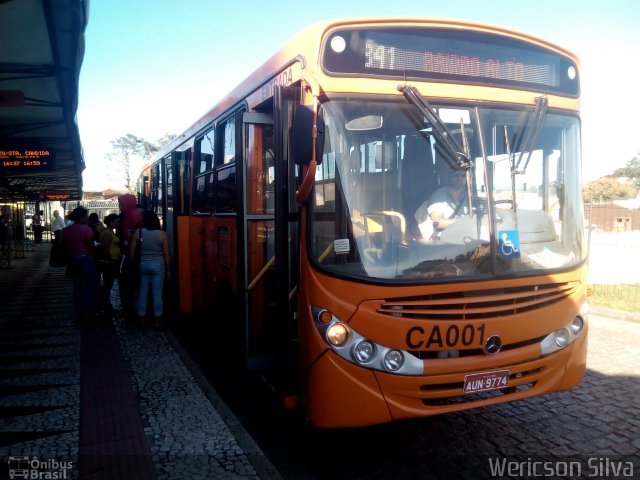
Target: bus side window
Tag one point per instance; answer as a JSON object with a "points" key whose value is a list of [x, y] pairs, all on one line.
{"points": [[157, 187], [226, 191], [229, 142], [183, 192], [225, 200], [203, 198]]}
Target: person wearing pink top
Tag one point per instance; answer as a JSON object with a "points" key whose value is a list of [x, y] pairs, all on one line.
{"points": [[130, 220], [78, 240]]}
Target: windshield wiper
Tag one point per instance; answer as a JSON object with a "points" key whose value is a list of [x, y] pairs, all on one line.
{"points": [[531, 133], [457, 157], [460, 154]]}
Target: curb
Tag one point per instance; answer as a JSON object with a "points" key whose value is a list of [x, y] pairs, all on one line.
{"points": [[615, 314], [262, 465]]}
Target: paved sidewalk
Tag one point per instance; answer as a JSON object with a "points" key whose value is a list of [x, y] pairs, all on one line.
{"points": [[105, 401], [112, 439]]}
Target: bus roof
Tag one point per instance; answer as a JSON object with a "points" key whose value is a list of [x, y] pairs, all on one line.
{"points": [[305, 48]]}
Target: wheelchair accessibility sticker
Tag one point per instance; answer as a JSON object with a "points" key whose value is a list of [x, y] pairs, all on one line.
{"points": [[509, 244]]}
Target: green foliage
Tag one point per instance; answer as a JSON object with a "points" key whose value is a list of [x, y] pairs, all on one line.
{"points": [[632, 170], [164, 140], [606, 189], [620, 296], [128, 154]]}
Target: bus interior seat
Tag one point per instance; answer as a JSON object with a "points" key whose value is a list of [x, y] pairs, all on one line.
{"points": [[371, 187], [387, 173], [535, 226], [418, 178]]}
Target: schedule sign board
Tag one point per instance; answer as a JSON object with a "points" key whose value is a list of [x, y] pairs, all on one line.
{"points": [[25, 159]]}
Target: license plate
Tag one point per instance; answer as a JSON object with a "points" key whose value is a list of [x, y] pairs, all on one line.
{"points": [[485, 381]]}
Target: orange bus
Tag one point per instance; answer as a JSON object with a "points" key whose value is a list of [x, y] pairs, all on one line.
{"points": [[391, 208]]}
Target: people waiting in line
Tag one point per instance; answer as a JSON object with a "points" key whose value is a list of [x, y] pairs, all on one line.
{"points": [[57, 225], [155, 265], [4, 234], [96, 226], [110, 245], [37, 227], [130, 220], [78, 240], [101, 259]]}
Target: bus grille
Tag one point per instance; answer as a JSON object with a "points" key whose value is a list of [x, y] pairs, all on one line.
{"points": [[439, 395], [478, 304], [433, 354]]}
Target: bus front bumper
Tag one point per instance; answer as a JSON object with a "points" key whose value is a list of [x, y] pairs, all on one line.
{"points": [[342, 394]]}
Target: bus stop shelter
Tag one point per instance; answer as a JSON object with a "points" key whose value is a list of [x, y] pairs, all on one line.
{"points": [[41, 52]]}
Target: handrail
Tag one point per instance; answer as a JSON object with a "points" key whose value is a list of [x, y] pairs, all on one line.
{"points": [[260, 274], [326, 252]]}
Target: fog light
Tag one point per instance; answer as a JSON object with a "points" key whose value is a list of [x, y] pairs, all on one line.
{"points": [[364, 351], [585, 308], [577, 325], [337, 334], [562, 337], [325, 317], [393, 360]]}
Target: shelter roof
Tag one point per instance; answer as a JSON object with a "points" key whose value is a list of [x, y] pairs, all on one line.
{"points": [[41, 52]]}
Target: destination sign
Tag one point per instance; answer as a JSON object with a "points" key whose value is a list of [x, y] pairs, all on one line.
{"points": [[450, 55], [26, 159], [55, 196]]}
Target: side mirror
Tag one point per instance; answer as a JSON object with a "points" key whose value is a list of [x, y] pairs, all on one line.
{"points": [[302, 135]]}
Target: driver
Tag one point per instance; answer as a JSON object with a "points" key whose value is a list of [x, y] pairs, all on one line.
{"points": [[444, 207]]}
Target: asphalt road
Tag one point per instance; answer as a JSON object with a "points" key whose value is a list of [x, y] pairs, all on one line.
{"points": [[592, 431]]}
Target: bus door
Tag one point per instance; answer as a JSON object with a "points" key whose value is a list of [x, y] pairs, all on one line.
{"points": [[178, 174], [286, 100], [257, 239], [269, 223]]}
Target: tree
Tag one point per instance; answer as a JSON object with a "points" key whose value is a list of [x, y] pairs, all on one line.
{"points": [[632, 170], [606, 189], [164, 140], [128, 154]]}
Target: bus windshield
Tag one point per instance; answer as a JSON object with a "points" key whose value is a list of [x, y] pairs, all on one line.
{"points": [[483, 192]]}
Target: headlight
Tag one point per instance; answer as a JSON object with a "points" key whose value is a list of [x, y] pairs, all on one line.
{"points": [[393, 360], [363, 351], [577, 325], [562, 337], [337, 334], [359, 350]]}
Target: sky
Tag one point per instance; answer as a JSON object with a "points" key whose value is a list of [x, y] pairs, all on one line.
{"points": [[155, 66]]}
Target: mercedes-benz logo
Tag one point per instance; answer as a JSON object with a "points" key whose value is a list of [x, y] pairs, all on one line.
{"points": [[493, 345]]}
